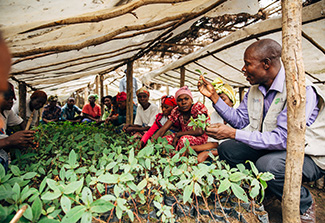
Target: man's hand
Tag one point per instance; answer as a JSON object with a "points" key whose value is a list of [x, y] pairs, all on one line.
{"points": [[205, 87], [125, 127], [21, 137], [175, 140], [221, 131]]}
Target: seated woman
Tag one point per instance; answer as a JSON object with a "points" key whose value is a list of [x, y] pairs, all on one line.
{"points": [[51, 112], [119, 118], [145, 116], [168, 103], [108, 107], [182, 113], [91, 111], [227, 94], [33, 105]]}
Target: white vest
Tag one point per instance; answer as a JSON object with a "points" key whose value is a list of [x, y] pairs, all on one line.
{"points": [[315, 134]]}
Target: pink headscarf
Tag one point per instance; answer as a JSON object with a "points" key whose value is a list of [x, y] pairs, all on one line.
{"points": [[183, 90]]}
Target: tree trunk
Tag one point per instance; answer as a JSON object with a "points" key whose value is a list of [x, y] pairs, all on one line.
{"points": [[129, 91], [296, 102], [101, 80]]}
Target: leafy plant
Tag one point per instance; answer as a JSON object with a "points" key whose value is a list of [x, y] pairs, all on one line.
{"points": [[199, 122], [91, 174]]}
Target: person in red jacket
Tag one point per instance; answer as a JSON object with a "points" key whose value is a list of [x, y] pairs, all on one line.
{"points": [[168, 103]]}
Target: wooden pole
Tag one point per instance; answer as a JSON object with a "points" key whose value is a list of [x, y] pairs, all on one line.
{"points": [[182, 76], [101, 79], [86, 95], [19, 214], [96, 84], [129, 91], [296, 102], [167, 89], [22, 100], [106, 88]]}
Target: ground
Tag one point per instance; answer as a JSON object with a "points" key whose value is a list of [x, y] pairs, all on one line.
{"points": [[275, 212]]}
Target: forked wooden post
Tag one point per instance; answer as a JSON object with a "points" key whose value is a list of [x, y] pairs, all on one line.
{"points": [[296, 103], [129, 90]]}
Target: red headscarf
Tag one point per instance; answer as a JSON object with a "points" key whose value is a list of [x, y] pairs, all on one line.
{"points": [[168, 100], [121, 96]]}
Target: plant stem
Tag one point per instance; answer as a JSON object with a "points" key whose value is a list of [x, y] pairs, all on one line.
{"points": [[180, 206], [206, 205], [224, 214]]}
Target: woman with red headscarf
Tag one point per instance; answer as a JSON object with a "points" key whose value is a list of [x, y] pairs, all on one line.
{"points": [[182, 114], [168, 103]]}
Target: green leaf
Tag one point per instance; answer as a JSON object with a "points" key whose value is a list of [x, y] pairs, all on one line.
{"points": [[266, 176], [253, 167], [87, 196], [86, 217], [126, 177], [101, 206], [16, 190], [28, 213], [65, 204], [239, 192], [2, 172], [108, 197], [29, 175], [237, 176], [15, 170], [73, 186], [52, 184], [197, 189], [187, 193], [118, 212], [131, 215], [255, 188], [36, 209], [142, 184], [48, 220], [42, 185], [72, 158], [108, 178], [224, 185], [51, 195], [74, 214]]}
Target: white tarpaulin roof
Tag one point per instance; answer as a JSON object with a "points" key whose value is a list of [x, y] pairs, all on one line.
{"points": [[59, 44], [224, 58]]}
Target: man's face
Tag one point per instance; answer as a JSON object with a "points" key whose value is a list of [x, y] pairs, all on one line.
{"points": [[70, 103], [121, 105], [38, 103], [7, 103], [143, 98], [5, 64], [52, 104], [253, 68]]}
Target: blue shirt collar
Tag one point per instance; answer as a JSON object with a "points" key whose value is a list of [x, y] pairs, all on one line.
{"points": [[277, 84]]}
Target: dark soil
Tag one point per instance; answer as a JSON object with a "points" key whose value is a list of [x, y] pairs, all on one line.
{"points": [[275, 211]]}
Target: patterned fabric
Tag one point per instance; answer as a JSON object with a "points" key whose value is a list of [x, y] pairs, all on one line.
{"points": [[143, 90], [92, 111], [69, 113], [51, 113], [224, 88], [177, 117], [168, 100], [183, 90], [121, 96]]}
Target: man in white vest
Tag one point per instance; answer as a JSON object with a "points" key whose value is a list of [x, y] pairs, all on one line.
{"points": [[263, 114]]}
